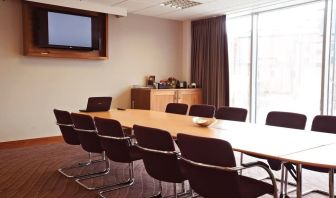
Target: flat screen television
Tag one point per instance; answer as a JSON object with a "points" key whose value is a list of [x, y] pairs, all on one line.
{"points": [[65, 30]]}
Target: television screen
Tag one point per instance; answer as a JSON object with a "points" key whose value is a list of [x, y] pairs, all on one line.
{"points": [[71, 31]]}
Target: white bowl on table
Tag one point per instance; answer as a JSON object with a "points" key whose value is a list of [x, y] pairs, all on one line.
{"points": [[203, 122]]}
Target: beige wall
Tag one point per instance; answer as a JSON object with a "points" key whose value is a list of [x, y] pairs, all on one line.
{"points": [[30, 87]]}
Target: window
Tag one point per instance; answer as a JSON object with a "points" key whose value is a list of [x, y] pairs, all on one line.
{"points": [[332, 81], [239, 44], [289, 60], [287, 54], [334, 94]]}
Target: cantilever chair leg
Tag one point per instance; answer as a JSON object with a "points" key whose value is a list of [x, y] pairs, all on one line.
{"points": [[331, 187], [330, 194], [183, 188], [129, 182], [186, 193], [175, 195], [241, 162], [114, 186], [81, 165], [107, 161], [159, 194], [285, 181]]}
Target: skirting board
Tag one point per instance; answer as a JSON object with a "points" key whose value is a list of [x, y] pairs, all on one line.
{"points": [[30, 142]]}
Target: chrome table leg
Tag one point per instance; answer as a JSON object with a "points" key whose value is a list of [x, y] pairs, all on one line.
{"points": [[331, 183], [299, 181], [282, 180]]}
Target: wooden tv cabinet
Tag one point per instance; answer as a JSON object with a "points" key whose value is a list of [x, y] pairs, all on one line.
{"points": [[30, 48], [157, 99]]}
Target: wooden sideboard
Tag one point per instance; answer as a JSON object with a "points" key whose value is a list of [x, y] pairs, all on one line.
{"points": [[157, 99]]}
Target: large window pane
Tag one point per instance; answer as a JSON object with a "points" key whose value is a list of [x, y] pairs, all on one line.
{"points": [[289, 60], [239, 44], [333, 84], [334, 93], [333, 63]]}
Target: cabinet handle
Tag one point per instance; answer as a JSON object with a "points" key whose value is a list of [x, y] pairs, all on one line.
{"points": [[132, 105]]}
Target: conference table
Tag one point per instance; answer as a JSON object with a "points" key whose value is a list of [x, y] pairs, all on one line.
{"points": [[299, 147]]}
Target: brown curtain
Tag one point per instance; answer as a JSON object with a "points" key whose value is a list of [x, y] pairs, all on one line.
{"points": [[209, 60]]}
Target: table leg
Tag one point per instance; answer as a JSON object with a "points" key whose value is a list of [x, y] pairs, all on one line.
{"points": [[282, 179], [331, 183], [299, 181]]}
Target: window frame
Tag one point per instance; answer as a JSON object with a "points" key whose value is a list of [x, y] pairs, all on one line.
{"points": [[328, 78]]}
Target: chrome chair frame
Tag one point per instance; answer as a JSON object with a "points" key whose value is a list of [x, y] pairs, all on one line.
{"points": [[159, 194], [283, 180], [130, 181], [237, 169], [114, 186], [331, 192], [80, 164]]}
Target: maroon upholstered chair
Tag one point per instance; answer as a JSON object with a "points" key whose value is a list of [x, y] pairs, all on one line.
{"points": [[66, 126], [118, 148], [159, 155], [213, 174], [287, 120], [231, 113], [202, 110], [97, 104], [326, 124], [63, 120], [86, 130], [177, 108]]}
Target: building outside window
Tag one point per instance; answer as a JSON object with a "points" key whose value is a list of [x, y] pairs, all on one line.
{"points": [[288, 60]]}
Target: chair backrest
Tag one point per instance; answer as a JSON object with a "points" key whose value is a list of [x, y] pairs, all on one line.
{"points": [[177, 108], [209, 182], [96, 104], [160, 165], [86, 130], [324, 123], [231, 113], [202, 110], [113, 140], [65, 124], [286, 119]]}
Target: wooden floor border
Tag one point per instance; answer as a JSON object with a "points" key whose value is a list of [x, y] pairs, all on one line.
{"points": [[30, 142]]}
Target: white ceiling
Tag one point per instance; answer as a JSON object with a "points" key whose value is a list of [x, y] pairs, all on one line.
{"points": [[206, 9]]}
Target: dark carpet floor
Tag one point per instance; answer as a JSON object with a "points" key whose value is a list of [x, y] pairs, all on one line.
{"points": [[32, 172]]}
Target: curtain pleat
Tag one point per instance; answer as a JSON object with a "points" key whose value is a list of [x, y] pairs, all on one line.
{"points": [[209, 60]]}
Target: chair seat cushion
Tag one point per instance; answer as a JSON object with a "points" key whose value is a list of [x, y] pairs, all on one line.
{"points": [[252, 188]]}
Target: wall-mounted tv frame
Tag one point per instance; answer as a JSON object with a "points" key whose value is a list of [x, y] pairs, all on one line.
{"points": [[64, 30], [34, 26]]}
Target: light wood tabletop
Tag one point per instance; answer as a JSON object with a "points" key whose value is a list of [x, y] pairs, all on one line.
{"points": [[260, 140], [322, 157]]}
